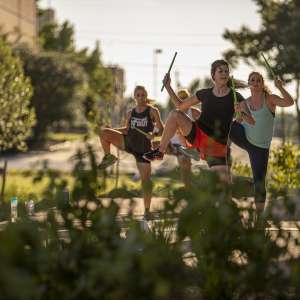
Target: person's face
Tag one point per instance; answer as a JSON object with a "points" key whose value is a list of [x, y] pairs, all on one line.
{"points": [[256, 82], [221, 75], [140, 97]]}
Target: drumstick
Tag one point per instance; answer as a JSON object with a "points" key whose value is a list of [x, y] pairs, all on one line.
{"points": [[268, 66], [170, 67], [141, 131]]}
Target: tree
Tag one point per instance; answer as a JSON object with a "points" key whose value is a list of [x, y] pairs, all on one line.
{"points": [[100, 82], [278, 39], [54, 37], [17, 118], [60, 87], [60, 38]]}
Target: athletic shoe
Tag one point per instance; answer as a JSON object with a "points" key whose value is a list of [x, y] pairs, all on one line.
{"points": [[107, 161], [174, 149], [189, 152], [148, 216], [153, 155]]}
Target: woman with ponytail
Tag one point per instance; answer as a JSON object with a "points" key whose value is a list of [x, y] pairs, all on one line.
{"points": [[135, 138], [209, 134], [256, 138]]}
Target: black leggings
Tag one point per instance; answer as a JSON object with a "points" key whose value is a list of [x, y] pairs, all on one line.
{"points": [[258, 159]]}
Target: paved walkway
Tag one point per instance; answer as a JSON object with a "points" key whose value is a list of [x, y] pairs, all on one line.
{"points": [[60, 157]]}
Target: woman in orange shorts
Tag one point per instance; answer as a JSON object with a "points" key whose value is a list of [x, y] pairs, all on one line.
{"points": [[209, 134]]}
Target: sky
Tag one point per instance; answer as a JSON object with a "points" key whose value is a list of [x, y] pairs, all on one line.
{"points": [[130, 31]]}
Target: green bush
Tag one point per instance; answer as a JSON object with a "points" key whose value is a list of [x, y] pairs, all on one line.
{"points": [[60, 88], [284, 168], [17, 115], [85, 250]]}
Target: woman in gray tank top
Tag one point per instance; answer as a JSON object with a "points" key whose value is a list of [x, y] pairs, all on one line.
{"points": [[256, 139]]}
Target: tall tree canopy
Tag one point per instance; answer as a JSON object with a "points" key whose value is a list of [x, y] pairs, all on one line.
{"points": [[278, 38], [54, 37], [60, 38], [59, 90]]}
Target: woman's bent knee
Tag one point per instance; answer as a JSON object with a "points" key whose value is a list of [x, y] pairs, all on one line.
{"points": [[104, 133], [176, 113]]}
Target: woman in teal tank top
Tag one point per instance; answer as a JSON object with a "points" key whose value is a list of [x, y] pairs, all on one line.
{"points": [[256, 139]]}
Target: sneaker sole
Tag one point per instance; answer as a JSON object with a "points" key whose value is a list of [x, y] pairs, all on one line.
{"points": [[106, 166], [145, 158], [189, 155]]}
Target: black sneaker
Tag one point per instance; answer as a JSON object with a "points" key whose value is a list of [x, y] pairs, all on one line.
{"points": [[148, 216], [153, 155], [107, 161]]}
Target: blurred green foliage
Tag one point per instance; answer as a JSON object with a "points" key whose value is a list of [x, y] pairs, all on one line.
{"points": [[202, 246], [17, 115], [60, 87], [59, 38], [284, 168], [276, 37]]}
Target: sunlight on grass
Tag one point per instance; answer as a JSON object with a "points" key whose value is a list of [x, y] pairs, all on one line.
{"points": [[61, 137], [21, 184]]}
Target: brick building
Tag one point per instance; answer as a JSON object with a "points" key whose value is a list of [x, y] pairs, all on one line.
{"points": [[119, 107], [18, 19]]}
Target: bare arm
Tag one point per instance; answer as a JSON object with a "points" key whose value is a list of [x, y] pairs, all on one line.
{"points": [[285, 101], [124, 129], [155, 115], [245, 112], [178, 103]]}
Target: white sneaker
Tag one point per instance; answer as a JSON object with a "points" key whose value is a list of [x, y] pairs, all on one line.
{"points": [[144, 225], [189, 152]]}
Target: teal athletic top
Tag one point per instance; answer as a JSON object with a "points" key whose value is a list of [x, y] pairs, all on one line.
{"points": [[260, 134]]}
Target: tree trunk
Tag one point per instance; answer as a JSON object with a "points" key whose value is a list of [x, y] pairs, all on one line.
{"points": [[282, 127], [297, 105]]}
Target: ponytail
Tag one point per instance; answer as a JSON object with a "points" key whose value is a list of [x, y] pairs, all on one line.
{"points": [[238, 84], [150, 101]]}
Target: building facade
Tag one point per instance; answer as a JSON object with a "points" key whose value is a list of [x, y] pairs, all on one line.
{"points": [[119, 107], [18, 19]]}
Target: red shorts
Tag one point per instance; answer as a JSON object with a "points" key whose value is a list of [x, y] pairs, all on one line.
{"points": [[207, 146]]}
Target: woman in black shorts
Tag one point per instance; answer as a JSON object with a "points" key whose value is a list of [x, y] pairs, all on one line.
{"points": [[135, 138]]}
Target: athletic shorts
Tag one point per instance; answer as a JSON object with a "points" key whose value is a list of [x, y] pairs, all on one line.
{"points": [[212, 151], [138, 156]]}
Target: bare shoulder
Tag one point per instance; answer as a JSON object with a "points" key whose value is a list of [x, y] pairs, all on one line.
{"points": [[271, 101], [128, 114], [271, 98], [153, 109]]}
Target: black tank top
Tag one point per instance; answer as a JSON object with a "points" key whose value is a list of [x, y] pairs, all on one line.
{"points": [[136, 140]]}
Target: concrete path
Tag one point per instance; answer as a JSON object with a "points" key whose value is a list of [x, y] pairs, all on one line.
{"points": [[60, 157]]}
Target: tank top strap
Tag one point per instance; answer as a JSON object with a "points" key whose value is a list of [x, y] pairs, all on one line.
{"points": [[148, 110], [265, 99]]}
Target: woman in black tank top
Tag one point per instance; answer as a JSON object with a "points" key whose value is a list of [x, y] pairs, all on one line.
{"points": [[135, 138], [212, 127]]}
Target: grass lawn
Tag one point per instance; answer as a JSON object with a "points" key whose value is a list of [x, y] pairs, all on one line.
{"points": [[22, 185], [60, 137]]}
